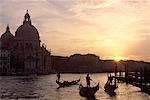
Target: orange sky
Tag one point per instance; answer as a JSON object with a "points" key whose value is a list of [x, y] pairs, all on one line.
{"points": [[107, 28]]}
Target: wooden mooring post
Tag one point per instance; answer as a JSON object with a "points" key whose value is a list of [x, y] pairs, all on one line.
{"points": [[139, 79]]}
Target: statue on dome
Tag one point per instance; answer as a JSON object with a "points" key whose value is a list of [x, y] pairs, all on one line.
{"points": [[27, 18]]}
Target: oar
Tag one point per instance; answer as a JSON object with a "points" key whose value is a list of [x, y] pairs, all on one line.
{"points": [[93, 81], [58, 87], [80, 80]]}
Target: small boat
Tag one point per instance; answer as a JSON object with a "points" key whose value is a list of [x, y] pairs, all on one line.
{"points": [[110, 86], [67, 83], [145, 88], [88, 92], [110, 89]]}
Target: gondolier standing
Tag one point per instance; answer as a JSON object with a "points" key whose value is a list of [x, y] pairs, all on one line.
{"points": [[88, 80], [58, 76]]}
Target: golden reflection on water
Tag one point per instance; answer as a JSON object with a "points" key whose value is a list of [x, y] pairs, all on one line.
{"points": [[44, 88]]}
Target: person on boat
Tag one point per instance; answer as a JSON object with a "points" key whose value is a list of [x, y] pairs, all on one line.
{"points": [[88, 80], [58, 76], [110, 79]]}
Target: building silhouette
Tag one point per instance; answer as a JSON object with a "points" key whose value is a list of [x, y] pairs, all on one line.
{"points": [[24, 51]]}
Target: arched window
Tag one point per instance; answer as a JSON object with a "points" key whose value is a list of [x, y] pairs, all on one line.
{"points": [[31, 46], [21, 47], [26, 46], [16, 46], [29, 58]]}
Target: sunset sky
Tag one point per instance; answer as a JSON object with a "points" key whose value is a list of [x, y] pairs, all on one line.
{"points": [[107, 28]]}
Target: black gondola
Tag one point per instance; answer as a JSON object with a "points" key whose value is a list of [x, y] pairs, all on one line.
{"points": [[67, 83], [145, 88], [110, 86], [110, 89], [88, 92]]}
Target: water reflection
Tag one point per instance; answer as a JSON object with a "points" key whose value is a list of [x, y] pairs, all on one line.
{"points": [[45, 88], [18, 88]]}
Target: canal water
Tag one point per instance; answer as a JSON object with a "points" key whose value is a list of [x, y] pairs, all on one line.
{"points": [[45, 88]]}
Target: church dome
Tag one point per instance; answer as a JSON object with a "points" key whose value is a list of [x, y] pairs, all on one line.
{"points": [[7, 36], [27, 31]]}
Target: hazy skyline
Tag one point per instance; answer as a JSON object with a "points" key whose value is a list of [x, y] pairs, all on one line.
{"points": [[107, 28]]}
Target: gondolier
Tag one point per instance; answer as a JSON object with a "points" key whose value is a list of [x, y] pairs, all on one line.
{"points": [[58, 76], [88, 80], [110, 86]]}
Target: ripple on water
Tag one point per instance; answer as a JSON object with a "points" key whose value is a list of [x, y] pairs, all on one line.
{"points": [[45, 88]]}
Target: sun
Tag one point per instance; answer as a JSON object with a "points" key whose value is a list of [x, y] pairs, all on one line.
{"points": [[118, 58]]}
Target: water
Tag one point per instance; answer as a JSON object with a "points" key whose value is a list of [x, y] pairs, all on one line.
{"points": [[44, 88]]}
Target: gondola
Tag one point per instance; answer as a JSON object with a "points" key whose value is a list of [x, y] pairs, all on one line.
{"points": [[88, 92], [110, 86], [110, 89], [67, 83], [145, 88]]}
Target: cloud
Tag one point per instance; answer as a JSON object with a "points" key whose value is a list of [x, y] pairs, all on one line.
{"points": [[105, 27], [140, 49]]}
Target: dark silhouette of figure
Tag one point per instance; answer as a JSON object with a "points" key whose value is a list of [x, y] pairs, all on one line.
{"points": [[58, 76], [110, 79], [88, 80]]}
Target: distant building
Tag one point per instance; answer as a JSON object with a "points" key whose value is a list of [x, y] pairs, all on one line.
{"points": [[26, 54], [84, 63], [131, 65], [107, 65], [137, 65], [77, 63]]}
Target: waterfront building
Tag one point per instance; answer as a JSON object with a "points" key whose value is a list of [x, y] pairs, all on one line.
{"points": [[27, 55], [4, 61]]}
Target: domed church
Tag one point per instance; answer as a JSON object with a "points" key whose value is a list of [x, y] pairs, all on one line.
{"points": [[27, 56]]}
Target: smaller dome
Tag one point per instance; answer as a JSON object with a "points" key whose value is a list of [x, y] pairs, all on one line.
{"points": [[7, 36]]}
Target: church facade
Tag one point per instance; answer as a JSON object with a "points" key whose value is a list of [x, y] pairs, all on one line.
{"points": [[24, 51]]}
